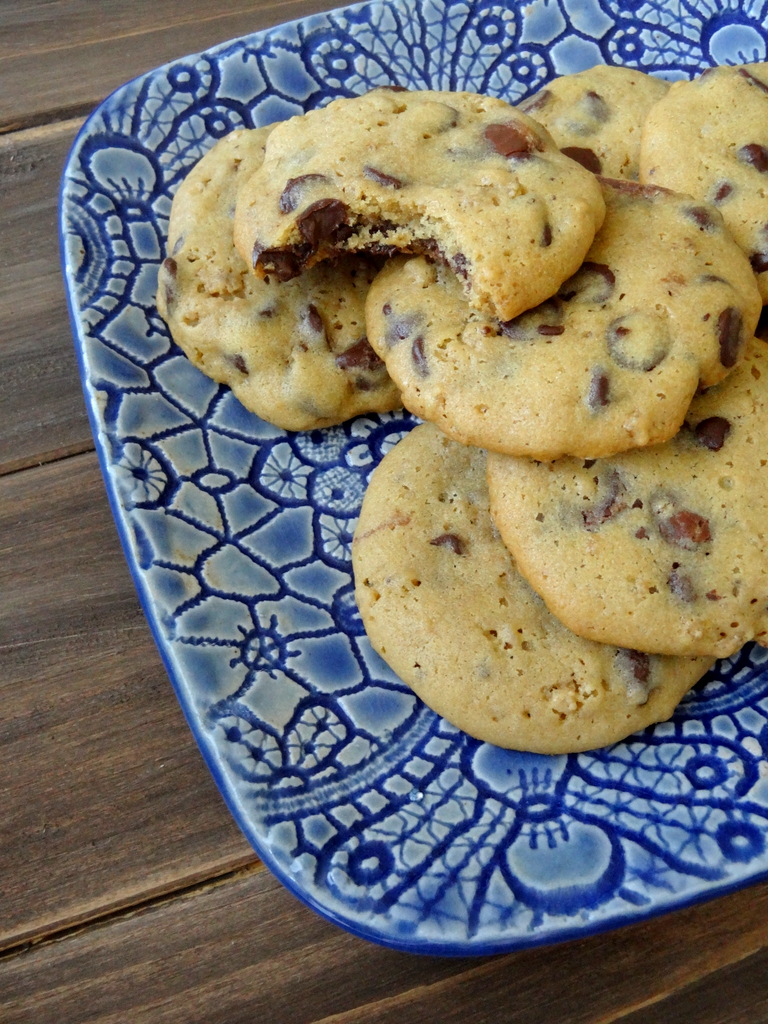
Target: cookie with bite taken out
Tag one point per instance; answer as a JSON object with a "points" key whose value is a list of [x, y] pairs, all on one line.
{"points": [[467, 180], [663, 305], [296, 354]]}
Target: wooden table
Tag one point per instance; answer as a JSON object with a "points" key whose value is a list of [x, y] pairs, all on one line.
{"points": [[127, 893]]}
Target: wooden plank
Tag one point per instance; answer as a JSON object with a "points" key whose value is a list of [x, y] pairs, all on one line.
{"points": [[741, 997], [42, 413], [60, 61], [246, 950], [108, 801], [34, 28]]}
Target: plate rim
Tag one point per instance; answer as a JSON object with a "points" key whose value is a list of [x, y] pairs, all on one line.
{"points": [[424, 946]]}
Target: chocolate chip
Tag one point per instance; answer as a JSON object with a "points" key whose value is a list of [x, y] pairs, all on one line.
{"points": [[593, 282], [321, 221], [635, 668], [291, 194], [546, 236], [755, 156], [239, 363], [450, 541], [598, 395], [543, 319], [359, 356], [685, 529], [381, 178], [401, 327], [283, 263], [419, 357], [637, 342], [759, 262], [722, 191], [550, 329], [702, 216], [712, 432], [459, 265], [634, 188], [512, 141], [536, 102], [712, 595], [378, 249], [597, 106], [610, 505], [167, 278], [636, 663], [386, 309], [752, 80], [588, 158], [729, 330], [314, 319], [681, 586]]}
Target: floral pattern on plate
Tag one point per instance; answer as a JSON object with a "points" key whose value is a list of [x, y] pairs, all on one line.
{"points": [[372, 809]]}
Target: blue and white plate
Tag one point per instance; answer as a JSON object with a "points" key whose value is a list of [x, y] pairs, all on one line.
{"points": [[369, 807]]}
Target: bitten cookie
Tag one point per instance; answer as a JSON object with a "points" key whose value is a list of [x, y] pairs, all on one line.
{"points": [[663, 550], [296, 353], [444, 605], [709, 138], [596, 116], [465, 179], [663, 304]]}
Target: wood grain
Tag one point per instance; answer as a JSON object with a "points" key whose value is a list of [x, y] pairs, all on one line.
{"points": [[732, 995], [41, 72], [109, 801], [246, 950], [127, 893], [42, 413]]}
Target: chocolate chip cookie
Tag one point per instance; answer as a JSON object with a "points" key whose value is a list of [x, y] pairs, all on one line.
{"points": [[465, 179], [662, 305], [445, 606], [596, 116], [709, 138], [664, 550], [295, 353]]}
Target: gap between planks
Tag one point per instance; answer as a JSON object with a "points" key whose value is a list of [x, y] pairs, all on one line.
{"points": [[46, 458], [148, 29], [200, 31], [124, 913], [416, 998], [30, 134]]}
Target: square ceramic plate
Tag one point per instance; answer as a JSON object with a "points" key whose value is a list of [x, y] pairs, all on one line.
{"points": [[365, 804]]}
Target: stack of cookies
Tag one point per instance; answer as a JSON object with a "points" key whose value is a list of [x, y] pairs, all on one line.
{"points": [[567, 294]]}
